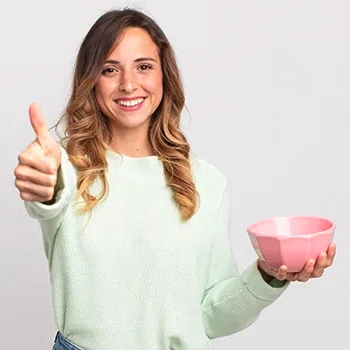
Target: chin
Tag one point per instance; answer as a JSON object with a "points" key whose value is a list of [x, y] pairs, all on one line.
{"points": [[135, 123]]}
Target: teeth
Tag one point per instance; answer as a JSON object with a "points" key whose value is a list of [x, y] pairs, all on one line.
{"points": [[130, 103]]}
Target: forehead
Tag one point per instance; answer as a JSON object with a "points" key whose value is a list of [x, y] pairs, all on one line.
{"points": [[134, 43]]}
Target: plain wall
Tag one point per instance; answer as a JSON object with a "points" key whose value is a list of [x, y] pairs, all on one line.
{"points": [[267, 86]]}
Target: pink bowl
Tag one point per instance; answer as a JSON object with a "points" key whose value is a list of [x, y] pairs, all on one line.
{"points": [[291, 241]]}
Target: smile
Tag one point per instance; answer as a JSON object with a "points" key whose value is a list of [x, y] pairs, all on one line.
{"points": [[130, 103]]}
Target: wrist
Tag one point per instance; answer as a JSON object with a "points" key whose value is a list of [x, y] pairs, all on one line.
{"points": [[266, 276]]}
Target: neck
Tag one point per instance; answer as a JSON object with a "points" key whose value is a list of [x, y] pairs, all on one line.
{"points": [[131, 145]]}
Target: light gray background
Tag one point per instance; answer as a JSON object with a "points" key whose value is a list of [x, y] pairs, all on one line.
{"points": [[267, 86]]}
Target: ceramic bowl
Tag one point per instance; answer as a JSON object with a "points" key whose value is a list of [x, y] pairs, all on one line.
{"points": [[291, 241]]}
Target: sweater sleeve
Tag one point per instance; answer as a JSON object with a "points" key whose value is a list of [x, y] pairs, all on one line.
{"points": [[50, 215], [232, 301]]}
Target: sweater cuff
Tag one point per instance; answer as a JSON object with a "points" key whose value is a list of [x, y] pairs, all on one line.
{"points": [[258, 286], [275, 283]]}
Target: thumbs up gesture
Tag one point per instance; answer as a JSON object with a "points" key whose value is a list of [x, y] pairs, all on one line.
{"points": [[36, 172]]}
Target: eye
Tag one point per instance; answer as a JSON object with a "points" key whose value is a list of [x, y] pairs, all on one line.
{"points": [[109, 71], [144, 67]]}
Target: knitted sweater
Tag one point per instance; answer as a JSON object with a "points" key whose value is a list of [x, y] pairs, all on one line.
{"points": [[135, 276]]}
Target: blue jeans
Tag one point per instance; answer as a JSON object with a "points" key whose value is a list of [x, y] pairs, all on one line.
{"points": [[62, 343]]}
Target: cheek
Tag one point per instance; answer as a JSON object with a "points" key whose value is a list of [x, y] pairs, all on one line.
{"points": [[103, 89], [101, 94], [98, 91], [154, 85]]}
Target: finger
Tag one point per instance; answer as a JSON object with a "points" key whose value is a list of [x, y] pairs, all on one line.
{"points": [[39, 125], [331, 254], [321, 264], [292, 277], [37, 160], [30, 197], [281, 273], [29, 174], [44, 192], [305, 274]]}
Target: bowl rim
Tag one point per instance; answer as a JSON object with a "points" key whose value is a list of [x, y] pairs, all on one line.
{"points": [[330, 230]]}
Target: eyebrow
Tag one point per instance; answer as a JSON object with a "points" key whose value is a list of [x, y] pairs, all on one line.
{"points": [[141, 59]]}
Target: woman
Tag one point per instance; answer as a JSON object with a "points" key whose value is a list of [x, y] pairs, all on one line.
{"points": [[136, 230]]}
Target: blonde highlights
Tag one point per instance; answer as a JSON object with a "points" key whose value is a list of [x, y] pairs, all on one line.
{"points": [[86, 129]]}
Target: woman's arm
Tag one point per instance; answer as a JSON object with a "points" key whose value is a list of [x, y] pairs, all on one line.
{"points": [[233, 301]]}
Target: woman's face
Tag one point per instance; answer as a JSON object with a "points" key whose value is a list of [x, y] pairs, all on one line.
{"points": [[130, 87]]}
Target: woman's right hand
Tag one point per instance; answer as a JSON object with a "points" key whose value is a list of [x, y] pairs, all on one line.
{"points": [[36, 172]]}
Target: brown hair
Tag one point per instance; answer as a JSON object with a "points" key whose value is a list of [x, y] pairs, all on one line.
{"points": [[86, 129]]}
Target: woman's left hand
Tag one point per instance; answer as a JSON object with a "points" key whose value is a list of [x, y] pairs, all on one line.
{"points": [[312, 268]]}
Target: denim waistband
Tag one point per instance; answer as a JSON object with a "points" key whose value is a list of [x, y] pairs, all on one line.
{"points": [[62, 343]]}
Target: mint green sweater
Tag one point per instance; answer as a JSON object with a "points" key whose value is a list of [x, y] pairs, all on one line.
{"points": [[135, 276]]}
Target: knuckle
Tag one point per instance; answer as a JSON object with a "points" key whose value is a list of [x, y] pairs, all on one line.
{"points": [[16, 172], [51, 167], [20, 185], [26, 157], [318, 273], [20, 172], [302, 278], [48, 193], [22, 157], [24, 196], [52, 180], [16, 183]]}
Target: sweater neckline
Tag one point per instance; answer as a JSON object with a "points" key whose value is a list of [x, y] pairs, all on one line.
{"points": [[138, 165], [116, 155]]}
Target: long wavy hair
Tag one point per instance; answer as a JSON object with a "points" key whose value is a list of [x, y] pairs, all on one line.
{"points": [[86, 129]]}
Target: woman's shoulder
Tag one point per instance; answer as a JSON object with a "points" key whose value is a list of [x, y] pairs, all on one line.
{"points": [[207, 175]]}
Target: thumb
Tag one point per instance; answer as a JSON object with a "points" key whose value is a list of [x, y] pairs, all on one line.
{"points": [[38, 122]]}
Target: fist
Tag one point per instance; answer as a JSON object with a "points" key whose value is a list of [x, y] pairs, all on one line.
{"points": [[36, 172]]}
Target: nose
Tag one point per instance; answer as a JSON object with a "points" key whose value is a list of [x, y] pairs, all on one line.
{"points": [[128, 83]]}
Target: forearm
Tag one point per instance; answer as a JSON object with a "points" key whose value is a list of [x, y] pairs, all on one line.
{"points": [[237, 302]]}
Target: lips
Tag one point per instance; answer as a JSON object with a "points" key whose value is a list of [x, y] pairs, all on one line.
{"points": [[130, 104]]}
